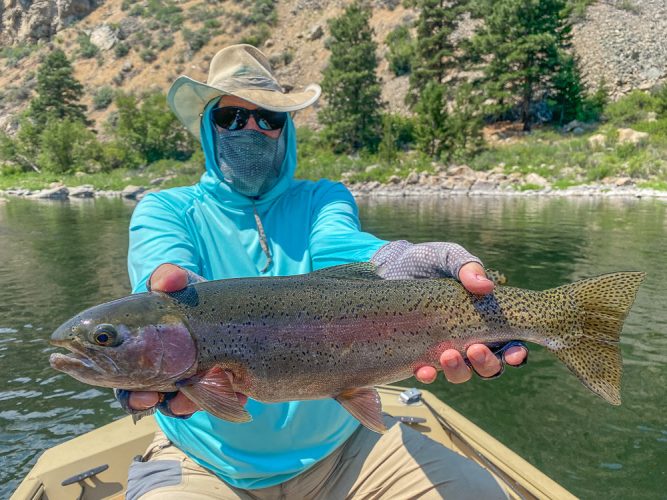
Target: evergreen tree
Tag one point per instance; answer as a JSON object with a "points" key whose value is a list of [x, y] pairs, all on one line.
{"points": [[523, 45], [432, 116], [435, 52], [352, 118], [568, 92], [58, 92]]}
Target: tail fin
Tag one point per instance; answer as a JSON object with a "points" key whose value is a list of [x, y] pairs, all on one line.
{"points": [[594, 355]]}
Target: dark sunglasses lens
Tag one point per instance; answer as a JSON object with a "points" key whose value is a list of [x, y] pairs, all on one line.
{"points": [[270, 120], [230, 118]]}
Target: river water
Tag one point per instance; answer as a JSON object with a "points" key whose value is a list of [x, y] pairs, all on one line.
{"points": [[58, 258]]}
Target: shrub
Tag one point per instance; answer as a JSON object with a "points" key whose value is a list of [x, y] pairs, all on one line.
{"points": [[121, 50], [212, 23], [401, 50], [87, 49], [66, 146], [150, 128], [631, 108], [15, 53], [148, 55], [257, 36], [103, 97], [164, 42], [281, 59], [196, 39]]}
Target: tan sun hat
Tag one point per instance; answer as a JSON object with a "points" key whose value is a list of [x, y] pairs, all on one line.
{"points": [[238, 70]]}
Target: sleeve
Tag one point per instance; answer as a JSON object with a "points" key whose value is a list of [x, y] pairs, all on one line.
{"points": [[336, 236], [158, 235]]}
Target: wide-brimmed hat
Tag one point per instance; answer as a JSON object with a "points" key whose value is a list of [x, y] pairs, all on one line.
{"points": [[238, 70]]}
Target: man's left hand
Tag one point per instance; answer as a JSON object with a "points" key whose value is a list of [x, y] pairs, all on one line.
{"points": [[485, 363]]}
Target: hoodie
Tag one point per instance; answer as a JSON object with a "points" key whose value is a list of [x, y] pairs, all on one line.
{"points": [[212, 230]]}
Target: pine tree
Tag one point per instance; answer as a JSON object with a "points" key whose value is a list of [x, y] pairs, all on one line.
{"points": [[568, 91], [58, 92], [523, 45], [352, 118], [435, 50]]}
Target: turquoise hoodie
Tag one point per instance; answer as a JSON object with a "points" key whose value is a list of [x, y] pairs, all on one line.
{"points": [[211, 230]]}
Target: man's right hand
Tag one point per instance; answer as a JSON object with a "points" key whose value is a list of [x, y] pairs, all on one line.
{"points": [[166, 278]]}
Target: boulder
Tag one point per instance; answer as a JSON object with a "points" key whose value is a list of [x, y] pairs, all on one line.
{"points": [[127, 26], [103, 37], [394, 179], [623, 182], [315, 33], [461, 171], [573, 125], [536, 179], [85, 191], [56, 193], [413, 178], [484, 186], [630, 136], [131, 192], [597, 141]]}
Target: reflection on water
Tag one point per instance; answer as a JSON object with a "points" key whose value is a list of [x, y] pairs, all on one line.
{"points": [[58, 258]]}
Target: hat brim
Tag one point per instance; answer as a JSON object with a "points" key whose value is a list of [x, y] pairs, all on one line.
{"points": [[187, 99]]}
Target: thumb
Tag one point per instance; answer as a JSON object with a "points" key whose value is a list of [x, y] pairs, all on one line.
{"points": [[473, 278], [168, 278]]}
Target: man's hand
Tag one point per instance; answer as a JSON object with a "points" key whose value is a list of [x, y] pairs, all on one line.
{"points": [[166, 278], [486, 364]]}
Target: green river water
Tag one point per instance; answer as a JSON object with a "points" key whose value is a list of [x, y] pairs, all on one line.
{"points": [[58, 258]]}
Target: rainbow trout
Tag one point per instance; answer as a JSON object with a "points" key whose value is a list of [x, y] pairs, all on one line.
{"points": [[333, 333]]}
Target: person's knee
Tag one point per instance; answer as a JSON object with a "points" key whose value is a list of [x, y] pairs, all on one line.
{"points": [[144, 477], [472, 481]]}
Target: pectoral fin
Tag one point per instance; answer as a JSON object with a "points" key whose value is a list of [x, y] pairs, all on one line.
{"points": [[364, 405], [214, 393]]}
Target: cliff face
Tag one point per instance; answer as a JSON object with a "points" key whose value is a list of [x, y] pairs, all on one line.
{"points": [[27, 21], [624, 43]]}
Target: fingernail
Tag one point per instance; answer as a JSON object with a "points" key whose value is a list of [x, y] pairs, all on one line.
{"points": [[477, 357], [452, 363]]}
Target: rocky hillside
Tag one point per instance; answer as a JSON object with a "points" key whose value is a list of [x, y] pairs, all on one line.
{"points": [[142, 45]]}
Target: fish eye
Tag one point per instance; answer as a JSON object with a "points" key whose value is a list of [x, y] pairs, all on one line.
{"points": [[105, 335]]}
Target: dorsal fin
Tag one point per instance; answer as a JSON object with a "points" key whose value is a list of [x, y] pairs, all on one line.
{"points": [[356, 271]]}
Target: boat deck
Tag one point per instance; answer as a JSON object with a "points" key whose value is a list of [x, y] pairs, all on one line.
{"points": [[114, 445]]}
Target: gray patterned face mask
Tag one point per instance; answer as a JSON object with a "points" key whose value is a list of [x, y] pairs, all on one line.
{"points": [[250, 161]]}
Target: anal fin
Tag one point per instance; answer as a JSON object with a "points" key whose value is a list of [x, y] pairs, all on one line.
{"points": [[364, 405], [214, 393]]}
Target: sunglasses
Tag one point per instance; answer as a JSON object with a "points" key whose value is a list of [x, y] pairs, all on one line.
{"points": [[235, 118]]}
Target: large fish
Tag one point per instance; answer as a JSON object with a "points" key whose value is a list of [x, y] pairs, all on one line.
{"points": [[333, 333]]}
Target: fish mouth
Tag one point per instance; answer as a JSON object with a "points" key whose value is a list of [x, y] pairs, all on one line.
{"points": [[73, 361]]}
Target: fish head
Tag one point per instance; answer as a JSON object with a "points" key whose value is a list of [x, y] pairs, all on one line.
{"points": [[140, 342]]}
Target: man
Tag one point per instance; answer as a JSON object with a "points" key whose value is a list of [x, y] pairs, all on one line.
{"points": [[249, 217]]}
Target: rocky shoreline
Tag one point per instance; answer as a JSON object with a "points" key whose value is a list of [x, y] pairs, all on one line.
{"points": [[454, 181]]}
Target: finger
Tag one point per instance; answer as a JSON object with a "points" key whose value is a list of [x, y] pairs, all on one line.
{"points": [[182, 405], [143, 400], [426, 374], [168, 278], [455, 369], [515, 355], [483, 360], [473, 278]]}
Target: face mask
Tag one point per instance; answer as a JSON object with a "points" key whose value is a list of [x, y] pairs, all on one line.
{"points": [[249, 160]]}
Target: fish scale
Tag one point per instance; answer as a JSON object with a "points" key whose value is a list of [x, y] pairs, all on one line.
{"points": [[335, 333]]}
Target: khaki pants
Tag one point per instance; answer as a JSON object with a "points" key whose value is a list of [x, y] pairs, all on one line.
{"points": [[400, 464]]}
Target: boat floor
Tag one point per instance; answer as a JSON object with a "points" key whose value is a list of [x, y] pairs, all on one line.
{"points": [[117, 443]]}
